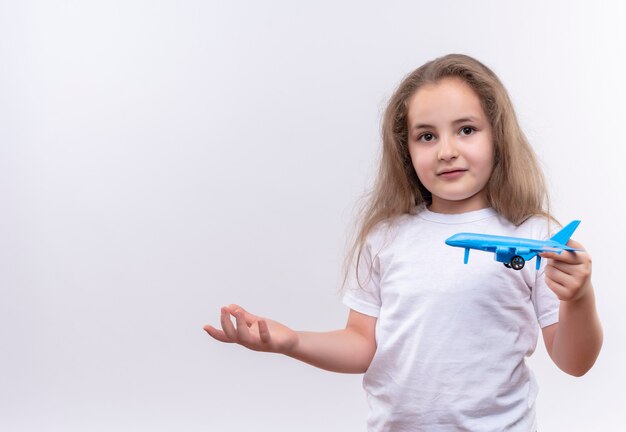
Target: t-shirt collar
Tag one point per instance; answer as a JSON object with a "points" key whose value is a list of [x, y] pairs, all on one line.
{"points": [[472, 216]]}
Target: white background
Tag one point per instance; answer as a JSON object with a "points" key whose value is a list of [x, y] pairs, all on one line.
{"points": [[160, 159]]}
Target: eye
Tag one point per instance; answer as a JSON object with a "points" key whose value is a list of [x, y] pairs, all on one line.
{"points": [[427, 137], [467, 130]]}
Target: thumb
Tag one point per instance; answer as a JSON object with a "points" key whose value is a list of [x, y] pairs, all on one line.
{"points": [[575, 244]]}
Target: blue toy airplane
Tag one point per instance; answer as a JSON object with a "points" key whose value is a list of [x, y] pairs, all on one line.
{"points": [[514, 251]]}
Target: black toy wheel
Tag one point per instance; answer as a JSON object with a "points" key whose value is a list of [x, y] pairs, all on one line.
{"points": [[517, 262], [507, 265]]}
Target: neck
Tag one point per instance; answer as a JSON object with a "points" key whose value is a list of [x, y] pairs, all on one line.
{"points": [[476, 202]]}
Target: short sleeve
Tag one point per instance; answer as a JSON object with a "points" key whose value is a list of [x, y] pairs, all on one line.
{"points": [[545, 301], [362, 294]]}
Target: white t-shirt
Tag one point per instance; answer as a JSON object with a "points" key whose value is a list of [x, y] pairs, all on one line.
{"points": [[451, 338]]}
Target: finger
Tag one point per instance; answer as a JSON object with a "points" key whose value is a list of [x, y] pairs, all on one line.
{"points": [[243, 333], [558, 275], [559, 256], [567, 256], [565, 267], [560, 291], [227, 325], [249, 318], [216, 334], [264, 332], [564, 257], [549, 255]]}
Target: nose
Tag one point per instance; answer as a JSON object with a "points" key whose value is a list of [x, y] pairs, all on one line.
{"points": [[447, 149]]}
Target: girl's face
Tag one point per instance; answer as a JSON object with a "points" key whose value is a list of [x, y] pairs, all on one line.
{"points": [[451, 145]]}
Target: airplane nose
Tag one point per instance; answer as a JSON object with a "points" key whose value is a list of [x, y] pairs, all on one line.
{"points": [[453, 241]]}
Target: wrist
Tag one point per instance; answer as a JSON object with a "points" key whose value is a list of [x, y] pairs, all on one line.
{"points": [[292, 349]]}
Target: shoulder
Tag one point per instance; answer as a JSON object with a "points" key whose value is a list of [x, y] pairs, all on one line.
{"points": [[539, 227], [385, 232]]}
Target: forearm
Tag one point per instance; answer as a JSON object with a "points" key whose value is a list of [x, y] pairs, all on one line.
{"points": [[344, 350], [578, 339]]}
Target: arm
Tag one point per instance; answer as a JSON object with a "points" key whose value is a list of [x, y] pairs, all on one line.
{"points": [[349, 350], [575, 341]]}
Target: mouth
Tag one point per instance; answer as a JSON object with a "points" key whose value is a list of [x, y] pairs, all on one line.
{"points": [[451, 172]]}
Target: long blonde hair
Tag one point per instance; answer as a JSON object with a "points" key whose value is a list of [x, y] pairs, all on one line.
{"points": [[516, 188]]}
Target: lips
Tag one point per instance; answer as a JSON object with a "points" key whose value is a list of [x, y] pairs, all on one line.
{"points": [[451, 172]]}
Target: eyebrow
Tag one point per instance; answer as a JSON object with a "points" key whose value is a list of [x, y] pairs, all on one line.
{"points": [[457, 121]]}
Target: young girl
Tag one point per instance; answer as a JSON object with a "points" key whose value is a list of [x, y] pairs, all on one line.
{"points": [[442, 344]]}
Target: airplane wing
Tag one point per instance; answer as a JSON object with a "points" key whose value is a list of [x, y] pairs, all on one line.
{"points": [[555, 249]]}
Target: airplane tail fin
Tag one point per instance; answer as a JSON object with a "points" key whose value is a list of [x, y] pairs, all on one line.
{"points": [[565, 233]]}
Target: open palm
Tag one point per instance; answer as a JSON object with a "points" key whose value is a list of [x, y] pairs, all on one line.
{"points": [[253, 332]]}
